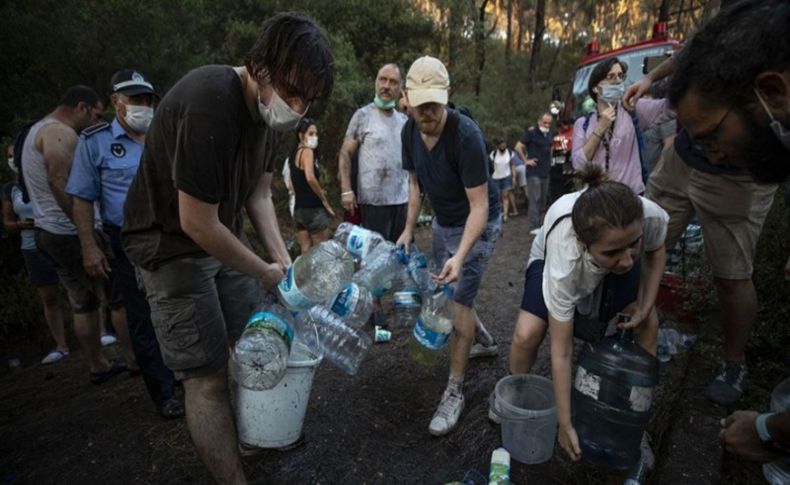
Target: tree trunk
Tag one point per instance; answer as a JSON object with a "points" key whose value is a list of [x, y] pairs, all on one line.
{"points": [[480, 45], [520, 18], [537, 41], [509, 31], [663, 11], [454, 27]]}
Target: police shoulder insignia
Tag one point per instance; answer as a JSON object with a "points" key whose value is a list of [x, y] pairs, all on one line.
{"points": [[91, 130], [117, 150]]}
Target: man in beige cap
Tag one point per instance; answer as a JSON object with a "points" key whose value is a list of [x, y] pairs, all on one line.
{"points": [[444, 150]]}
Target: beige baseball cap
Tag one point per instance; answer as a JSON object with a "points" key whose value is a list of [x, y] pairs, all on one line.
{"points": [[427, 82]]}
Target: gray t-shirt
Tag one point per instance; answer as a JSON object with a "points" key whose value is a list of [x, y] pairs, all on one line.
{"points": [[381, 178]]}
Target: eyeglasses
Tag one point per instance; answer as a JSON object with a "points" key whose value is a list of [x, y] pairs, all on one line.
{"points": [[710, 142], [615, 76]]}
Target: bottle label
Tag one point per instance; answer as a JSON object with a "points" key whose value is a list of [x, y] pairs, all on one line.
{"points": [[499, 473], [407, 299], [428, 337], [357, 241], [271, 321], [291, 294], [587, 384], [346, 300], [641, 398]]}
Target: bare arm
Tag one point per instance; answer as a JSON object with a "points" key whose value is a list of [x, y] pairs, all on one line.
{"points": [[520, 149], [260, 209], [412, 213], [11, 222], [347, 195], [93, 258], [475, 225], [200, 221], [649, 280], [639, 88], [561, 334], [57, 143]]}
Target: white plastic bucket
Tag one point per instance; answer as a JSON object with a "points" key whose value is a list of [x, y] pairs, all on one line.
{"points": [[273, 418]]}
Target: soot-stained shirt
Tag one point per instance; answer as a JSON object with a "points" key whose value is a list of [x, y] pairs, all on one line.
{"points": [[205, 142]]}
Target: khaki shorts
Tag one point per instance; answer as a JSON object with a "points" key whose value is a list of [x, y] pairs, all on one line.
{"points": [[198, 306], [731, 211]]}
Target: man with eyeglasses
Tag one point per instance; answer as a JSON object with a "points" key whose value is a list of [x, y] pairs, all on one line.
{"points": [[731, 89], [209, 156]]}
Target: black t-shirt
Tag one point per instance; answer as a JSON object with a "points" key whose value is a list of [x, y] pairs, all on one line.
{"points": [[538, 147], [443, 181], [696, 159], [203, 141]]}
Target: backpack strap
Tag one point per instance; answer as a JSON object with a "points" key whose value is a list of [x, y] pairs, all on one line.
{"points": [[451, 125], [546, 238], [640, 142], [586, 121]]}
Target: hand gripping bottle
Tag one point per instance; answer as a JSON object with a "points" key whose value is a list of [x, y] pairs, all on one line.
{"points": [[320, 273]]}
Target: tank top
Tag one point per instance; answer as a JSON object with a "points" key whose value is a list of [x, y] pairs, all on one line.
{"points": [[305, 197]]}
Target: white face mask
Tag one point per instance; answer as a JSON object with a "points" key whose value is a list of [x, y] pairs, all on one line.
{"points": [[543, 129], [278, 115], [12, 165], [312, 142], [139, 117]]}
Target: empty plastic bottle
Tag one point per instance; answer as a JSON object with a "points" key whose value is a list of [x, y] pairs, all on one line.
{"points": [[433, 327], [670, 342], [417, 268], [357, 240], [354, 305], [379, 270], [320, 273], [260, 357], [407, 303], [777, 472], [343, 346]]}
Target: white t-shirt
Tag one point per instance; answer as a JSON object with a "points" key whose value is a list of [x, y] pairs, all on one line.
{"points": [[501, 164], [571, 278], [381, 178]]}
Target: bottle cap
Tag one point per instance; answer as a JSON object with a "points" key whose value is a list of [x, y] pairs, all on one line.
{"points": [[501, 455]]}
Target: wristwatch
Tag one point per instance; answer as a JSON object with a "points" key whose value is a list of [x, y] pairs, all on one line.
{"points": [[765, 436]]}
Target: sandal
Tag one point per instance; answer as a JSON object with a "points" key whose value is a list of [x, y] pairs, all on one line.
{"points": [[54, 356]]}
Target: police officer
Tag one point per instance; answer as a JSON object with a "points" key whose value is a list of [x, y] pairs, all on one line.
{"points": [[105, 163]]}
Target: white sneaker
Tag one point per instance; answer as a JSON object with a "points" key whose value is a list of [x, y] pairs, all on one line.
{"points": [[107, 340], [446, 416], [481, 350], [54, 356]]}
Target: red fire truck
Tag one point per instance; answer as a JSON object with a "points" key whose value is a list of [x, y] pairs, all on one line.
{"points": [[637, 56]]}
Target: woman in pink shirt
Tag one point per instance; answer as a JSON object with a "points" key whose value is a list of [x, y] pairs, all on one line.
{"points": [[609, 139]]}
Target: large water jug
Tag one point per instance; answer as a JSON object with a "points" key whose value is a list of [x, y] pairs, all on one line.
{"points": [[354, 305], [343, 346], [777, 472], [611, 399], [320, 273], [260, 356], [357, 240]]}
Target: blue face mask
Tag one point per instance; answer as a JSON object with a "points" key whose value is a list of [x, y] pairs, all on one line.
{"points": [[612, 93], [381, 104]]}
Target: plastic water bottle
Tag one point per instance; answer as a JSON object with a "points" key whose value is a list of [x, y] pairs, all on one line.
{"points": [[379, 270], [354, 305], [357, 240], [433, 327], [320, 273], [407, 303], [670, 342], [343, 346], [499, 472], [417, 267], [260, 357], [777, 472]]}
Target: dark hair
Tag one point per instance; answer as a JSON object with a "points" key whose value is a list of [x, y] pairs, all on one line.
{"points": [[600, 71], [295, 53], [79, 94], [303, 125], [725, 56], [605, 204]]}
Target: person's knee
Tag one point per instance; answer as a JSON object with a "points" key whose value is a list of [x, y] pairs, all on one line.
{"points": [[213, 386], [529, 331], [48, 296], [465, 322], [734, 288]]}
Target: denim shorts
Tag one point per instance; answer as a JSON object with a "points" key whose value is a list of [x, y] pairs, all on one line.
{"points": [[198, 306], [311, 220], [445, 244], [504, 183]]}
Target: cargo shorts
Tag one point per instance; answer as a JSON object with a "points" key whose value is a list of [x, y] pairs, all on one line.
{"points": [[445, 244], [731, 210], [198, 306]]}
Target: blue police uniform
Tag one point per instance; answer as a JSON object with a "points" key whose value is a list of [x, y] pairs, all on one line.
{"points": [[105, 164]]}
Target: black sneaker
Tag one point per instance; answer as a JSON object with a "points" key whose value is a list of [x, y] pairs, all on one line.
{"points": [[727, 387], [171, 408]]}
